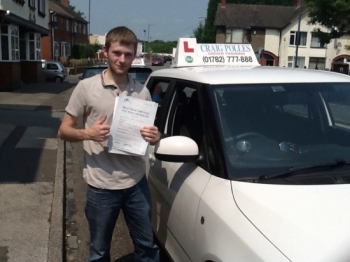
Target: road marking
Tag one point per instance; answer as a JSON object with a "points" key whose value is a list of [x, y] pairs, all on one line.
{"points": [[39, 137]]}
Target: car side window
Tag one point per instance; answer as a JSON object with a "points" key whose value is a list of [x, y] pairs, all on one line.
{"points": [[158, 89], [52, 66], [185, 118]]}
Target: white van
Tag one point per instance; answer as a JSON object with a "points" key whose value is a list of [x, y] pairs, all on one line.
{"points": [[254, 163]]}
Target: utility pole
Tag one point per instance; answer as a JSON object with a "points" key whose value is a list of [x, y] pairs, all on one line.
{"points": [[89, 15], [148, 37], [298, 35], [144, 41]]}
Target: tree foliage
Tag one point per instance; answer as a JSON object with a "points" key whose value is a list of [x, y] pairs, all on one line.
{"points": [[79, 13], [159, 46], [334, 15], [209, 33]]}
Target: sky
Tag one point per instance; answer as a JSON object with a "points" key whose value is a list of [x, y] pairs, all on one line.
{"points": [[166, 20]]}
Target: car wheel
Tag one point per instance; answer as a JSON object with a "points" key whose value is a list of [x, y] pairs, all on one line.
{"points": [[58, 79]]}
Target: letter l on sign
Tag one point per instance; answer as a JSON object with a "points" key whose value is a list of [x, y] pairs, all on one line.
{"points": [[187, 49]]}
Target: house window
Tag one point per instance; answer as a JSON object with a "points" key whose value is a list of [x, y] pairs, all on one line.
{"points": [[21, 2], [41, 7], [68, 50], [67, 25], [14, 43], [315, 41], [31, 4], [84, 29], [236, 36], [63, 49], [9, 43], [75, 27], [56, 50], [293, 38], [317, 63], [300, 61], [34, 46]]}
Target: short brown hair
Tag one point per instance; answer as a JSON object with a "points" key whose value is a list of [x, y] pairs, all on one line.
{"points": [[123, 35]]}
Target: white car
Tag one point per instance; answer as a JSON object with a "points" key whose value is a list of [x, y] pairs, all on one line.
{"points": [[254, 163]]}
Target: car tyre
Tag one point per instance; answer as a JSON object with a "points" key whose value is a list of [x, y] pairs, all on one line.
{"points": [[58, 79]]}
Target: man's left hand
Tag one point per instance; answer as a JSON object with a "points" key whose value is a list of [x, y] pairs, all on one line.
{"points": [[150, 134]]}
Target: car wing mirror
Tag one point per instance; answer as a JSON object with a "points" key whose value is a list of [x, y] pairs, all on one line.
{"points": [[177, 149]]}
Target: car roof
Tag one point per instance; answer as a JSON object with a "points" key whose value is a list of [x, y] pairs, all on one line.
{"points": [[229, 75]]}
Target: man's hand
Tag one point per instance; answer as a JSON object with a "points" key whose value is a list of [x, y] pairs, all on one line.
{"points": [[99, 132], [150, 134]]}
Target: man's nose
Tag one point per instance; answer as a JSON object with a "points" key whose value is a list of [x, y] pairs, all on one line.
{"points": [[122, 58]]}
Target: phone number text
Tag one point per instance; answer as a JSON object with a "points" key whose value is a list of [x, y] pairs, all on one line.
{"points": [[229, 59]]}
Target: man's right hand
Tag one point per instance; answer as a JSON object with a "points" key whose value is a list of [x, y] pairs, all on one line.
{"points": [[99, 132]]}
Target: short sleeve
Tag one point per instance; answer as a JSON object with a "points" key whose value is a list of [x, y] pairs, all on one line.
{"points": [[77, 102]]}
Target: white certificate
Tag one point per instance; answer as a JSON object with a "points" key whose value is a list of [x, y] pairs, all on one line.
{"points": [[129, 116]]}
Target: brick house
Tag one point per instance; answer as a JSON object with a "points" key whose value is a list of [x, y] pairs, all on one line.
{"points": [[273, 29], [22, 24], [66, 28]]}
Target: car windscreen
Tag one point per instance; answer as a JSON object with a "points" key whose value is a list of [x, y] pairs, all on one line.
{"points": [[89, 72], [269, 128], [140, 74]]}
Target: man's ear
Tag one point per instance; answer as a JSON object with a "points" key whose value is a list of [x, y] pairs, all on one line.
{"points": [[105, 51]]}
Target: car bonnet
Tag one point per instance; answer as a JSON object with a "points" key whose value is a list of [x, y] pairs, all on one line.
{"points": [[306, 223]]}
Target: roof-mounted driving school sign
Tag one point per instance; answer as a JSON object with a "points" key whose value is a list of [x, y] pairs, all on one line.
{"points": [[189, 53]]}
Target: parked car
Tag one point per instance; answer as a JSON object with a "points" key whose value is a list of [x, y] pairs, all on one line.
{"points": [[139, 73], [167, 58], [157, 60], [254, 164], [53, 71]]}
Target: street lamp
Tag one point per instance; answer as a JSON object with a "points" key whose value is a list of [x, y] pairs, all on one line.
{"points": [[144, 41], [53, 24], [148, 37], [298, 35]]}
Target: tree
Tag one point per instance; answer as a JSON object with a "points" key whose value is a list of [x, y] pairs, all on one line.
{"points": [[79, 13], [199, 33], [209, 27], [334, 15]]}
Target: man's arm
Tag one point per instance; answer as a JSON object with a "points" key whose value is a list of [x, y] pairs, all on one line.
{"points": [[68, 132]]}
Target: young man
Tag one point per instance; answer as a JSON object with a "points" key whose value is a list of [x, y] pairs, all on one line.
{"points": [[115, 181]]}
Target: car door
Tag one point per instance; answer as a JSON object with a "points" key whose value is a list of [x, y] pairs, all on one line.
{"points": [[176, 188], [51, 70]]}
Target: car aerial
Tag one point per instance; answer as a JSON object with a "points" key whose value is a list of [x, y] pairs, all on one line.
{"points": [[53, 70], [138, 71], [157, 60], [254, 161]]}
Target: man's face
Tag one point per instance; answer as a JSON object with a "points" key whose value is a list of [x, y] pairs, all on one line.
{"points": [[120, 57]]}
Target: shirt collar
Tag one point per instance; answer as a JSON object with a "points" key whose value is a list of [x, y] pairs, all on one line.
{"points": [[129, 87]]}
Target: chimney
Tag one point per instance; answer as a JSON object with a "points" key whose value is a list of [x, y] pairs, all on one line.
{"points": [[223, 3], [65, 3]]}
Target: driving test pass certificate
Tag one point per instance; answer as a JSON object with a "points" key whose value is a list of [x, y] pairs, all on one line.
{"points": [[129, 116]]}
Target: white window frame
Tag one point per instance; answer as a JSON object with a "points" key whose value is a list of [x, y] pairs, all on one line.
{"points": [[12, 36], [300, 62], [63, 49], [315, 42], [67, 25], [41, 6], [230, 32], [56, 51], [69, 52], [31, 3], [293, 38], [36, 46]]}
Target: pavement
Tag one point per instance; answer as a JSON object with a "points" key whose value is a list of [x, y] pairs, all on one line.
{"points": [[32, 166]]}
